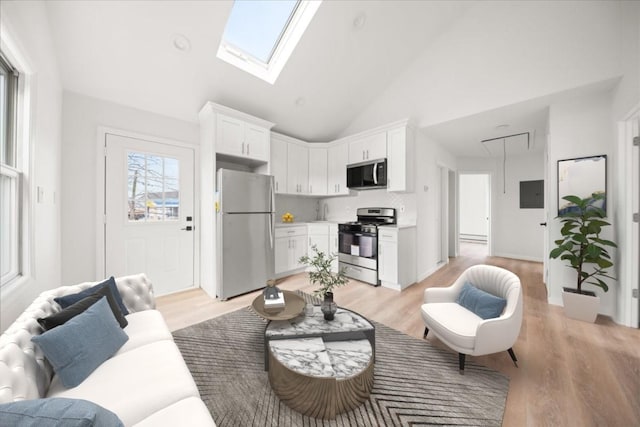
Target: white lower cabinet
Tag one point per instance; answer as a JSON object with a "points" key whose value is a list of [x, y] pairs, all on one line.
{"points": [[396, 256], [290, 245], [318, 237], [325, 237]]}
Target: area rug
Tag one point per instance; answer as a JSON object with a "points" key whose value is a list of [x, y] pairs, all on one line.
{"points": [[416, 384]]}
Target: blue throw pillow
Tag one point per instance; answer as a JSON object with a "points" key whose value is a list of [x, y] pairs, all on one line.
{"points": [[57, 412], [67, 300], [78, 347], [482, 303]]}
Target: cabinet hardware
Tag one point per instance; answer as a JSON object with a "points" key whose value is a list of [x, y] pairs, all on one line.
{"points": [[243, 148], [247, 149], [276, 185], [187, 228], [290, 231], [367, 154]]}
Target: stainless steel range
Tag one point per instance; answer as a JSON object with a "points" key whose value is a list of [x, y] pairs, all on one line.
{"points": [[358, 243]]}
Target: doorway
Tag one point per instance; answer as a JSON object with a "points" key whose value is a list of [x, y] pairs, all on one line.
{"points": [[149, 211], [474, 201]]}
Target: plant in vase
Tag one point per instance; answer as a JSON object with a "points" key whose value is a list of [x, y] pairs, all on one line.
{"points": [[321, 275], [582, 246]]}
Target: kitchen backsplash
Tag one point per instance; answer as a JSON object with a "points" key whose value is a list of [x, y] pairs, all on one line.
{"points": [[303, 209], [343, 209]]}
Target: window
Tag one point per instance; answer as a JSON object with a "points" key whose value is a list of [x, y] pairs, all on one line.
{"points": [[261, 35], [10, 176], [153, 188]]}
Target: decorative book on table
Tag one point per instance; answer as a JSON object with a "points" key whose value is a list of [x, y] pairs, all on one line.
{"points": [[274, 303]]}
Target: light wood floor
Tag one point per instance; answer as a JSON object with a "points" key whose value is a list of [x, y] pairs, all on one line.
{"points": [[570, 373]]}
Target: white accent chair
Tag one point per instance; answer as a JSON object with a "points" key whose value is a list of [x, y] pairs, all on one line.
{"points": [[464, 331]]}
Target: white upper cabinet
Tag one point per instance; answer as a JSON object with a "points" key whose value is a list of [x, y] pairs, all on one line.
{"points": [[318, 171], [235, 137], [297, 169], [400, 159], [337, 158], [371, 147], [256, 142], [279, 164]]}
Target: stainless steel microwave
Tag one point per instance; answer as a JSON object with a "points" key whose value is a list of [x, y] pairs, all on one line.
{"points": [[367, 175]]}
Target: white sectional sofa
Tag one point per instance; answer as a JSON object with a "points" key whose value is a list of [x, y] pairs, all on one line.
{"points": [[146, 383]]}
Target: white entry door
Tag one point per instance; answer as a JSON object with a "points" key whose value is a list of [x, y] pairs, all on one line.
{"points": [[149, 211]]}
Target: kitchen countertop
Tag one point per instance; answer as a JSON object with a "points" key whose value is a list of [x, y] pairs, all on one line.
{"points": [[294, 224], [398, 226]]}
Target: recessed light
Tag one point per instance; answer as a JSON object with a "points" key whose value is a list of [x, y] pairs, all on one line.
{"points": [[300, 102], [359, 22], [181, 43], [502, 127]]}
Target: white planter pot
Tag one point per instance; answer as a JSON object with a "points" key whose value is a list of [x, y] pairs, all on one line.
{"points": [[580, 307]]}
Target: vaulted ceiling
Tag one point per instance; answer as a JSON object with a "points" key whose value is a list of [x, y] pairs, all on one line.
{"points": [[123, 51], [457, 68]]}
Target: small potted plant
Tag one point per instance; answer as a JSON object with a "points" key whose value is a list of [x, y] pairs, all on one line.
{"points": [[321, 275], [586, 252]]}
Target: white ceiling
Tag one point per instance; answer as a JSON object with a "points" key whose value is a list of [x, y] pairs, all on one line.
{"points": [[464, 136], [122, 51]]}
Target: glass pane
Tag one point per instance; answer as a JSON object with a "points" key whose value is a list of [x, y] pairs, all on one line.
{"points": [[3, 118], [256, 26], [171, 189], [136, 183], [153, 188], [8, 228]]}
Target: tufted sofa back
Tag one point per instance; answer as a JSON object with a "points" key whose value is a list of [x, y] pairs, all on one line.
{"points": [[24, 372]]}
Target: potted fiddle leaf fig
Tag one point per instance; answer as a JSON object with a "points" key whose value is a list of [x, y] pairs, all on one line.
{"points": [[585, 252], [322, 275]]}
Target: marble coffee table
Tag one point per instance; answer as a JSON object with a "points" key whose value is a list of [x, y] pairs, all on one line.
{"points": [[321, 368], [346, 325]]}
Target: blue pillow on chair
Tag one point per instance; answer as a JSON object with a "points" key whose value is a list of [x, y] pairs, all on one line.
{"points": [[482, 303], [67, 300], [76, 348], [58, 412]]}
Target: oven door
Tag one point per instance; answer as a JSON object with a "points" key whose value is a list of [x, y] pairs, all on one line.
{"points": [[358, 248]]}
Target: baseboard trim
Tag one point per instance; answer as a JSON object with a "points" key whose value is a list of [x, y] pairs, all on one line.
{"points": [[431, 271], [520, 257]]}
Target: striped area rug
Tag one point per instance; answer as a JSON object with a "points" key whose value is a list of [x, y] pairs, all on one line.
{"points": [[416, 384]]}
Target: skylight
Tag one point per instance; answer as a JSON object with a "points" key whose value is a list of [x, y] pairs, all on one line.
{"points": [[261, 35]]}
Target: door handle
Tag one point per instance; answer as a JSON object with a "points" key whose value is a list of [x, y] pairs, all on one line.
{"points": [[187, 228], [544, 224]]}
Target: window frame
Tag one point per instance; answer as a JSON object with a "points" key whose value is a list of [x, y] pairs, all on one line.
{"points": [[23, 159], [292, 33]]}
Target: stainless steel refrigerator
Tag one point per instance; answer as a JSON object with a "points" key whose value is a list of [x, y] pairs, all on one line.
{"points": [[245, 232]]}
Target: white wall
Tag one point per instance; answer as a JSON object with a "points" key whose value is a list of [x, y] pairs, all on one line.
{"points": [[517, 232], [514, 232], [26, 23], [474, 205], [579, 128], [81, 118], [627, 97], [502, 53], [430, 156]]}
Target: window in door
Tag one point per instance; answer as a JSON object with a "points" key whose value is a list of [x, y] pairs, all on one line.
{"points": [[153, 188]]}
